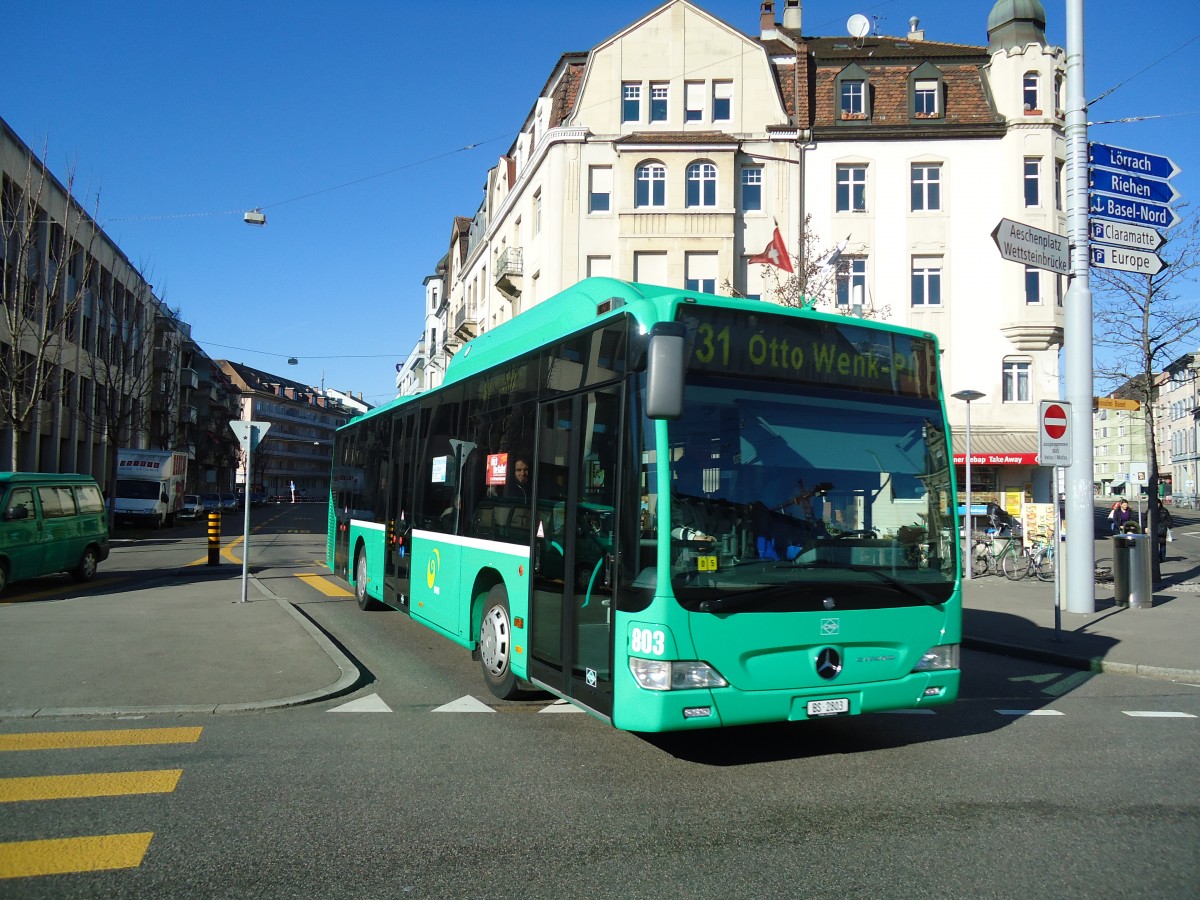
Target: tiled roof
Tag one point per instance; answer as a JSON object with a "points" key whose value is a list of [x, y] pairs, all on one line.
{"points": [[676, 137]]}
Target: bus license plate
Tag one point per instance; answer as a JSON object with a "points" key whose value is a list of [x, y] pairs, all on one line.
{"points": [[828, 707]]}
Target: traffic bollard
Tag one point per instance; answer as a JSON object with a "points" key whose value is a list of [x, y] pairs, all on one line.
{"points": [[214, 538]]}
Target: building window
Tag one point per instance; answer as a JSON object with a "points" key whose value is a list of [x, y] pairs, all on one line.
{"points": [[701, 271], [926, 187], [1058, 291], [722, 101], [537, 213], [1029, 92], [1058, 184], [598, 266], [752, 180], [1058, 93], [659, 95], [702, 185], [854, 103], [851, 280], [927, 281], [1033, 170], [599, 189], [1033, 285], [1016, 381], [651, 187], [852, 188], [925, 97], [631, 102], [693, 101]]}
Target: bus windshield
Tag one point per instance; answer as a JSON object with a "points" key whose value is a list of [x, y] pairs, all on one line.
{"points": [[807, 499]]}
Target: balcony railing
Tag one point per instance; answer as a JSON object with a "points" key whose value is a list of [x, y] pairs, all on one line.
{"points": [[466, 325], [510, 271]]}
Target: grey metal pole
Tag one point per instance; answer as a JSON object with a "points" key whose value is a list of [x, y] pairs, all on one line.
{"points": [[246, 519], [1077, 336], [967, 559]]}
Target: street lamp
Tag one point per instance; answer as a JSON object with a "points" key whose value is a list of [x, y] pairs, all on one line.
{"points": [[967, 397]]}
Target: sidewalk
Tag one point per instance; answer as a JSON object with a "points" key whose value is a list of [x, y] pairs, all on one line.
{"points": [[182, 642], [1017, 618]]}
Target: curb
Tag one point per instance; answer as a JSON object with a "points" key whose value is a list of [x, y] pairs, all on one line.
{"points": [[1086, 664], [350, 676]]}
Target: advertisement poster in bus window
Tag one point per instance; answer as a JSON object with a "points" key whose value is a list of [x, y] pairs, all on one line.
{"points": [[438, 474], [497, 469]]}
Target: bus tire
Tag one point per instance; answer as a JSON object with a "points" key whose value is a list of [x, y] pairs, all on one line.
{"points": [[365, 601], [495, 645], [86, 570]]}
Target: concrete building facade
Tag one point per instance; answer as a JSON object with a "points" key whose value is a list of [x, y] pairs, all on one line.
{"points": [[670, 152]]}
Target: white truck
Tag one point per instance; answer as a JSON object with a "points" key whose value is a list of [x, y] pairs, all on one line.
{"points": [[149, 489]]}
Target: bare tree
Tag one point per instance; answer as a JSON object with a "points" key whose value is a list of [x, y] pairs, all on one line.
{"points": [[1142, 321], [121, 364], [47, 270]]}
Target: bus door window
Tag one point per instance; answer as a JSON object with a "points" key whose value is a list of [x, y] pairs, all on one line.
{"points": [[550, 543]]}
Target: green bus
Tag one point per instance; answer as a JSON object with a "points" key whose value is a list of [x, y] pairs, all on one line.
{"points": [[672, 509]]}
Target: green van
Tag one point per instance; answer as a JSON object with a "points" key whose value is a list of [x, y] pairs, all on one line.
{"points": [[49, 524]]}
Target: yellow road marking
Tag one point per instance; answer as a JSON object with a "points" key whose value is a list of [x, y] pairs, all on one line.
{"points": [[122, 737], [23, 859], [328, 588], [225, 552], [101, 784]]}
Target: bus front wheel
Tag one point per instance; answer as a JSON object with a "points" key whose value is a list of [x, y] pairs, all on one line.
{"points": [[495, 645]]}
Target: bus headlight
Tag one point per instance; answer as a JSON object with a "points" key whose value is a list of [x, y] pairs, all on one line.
{"points": [[674, 675], [943, 656]]}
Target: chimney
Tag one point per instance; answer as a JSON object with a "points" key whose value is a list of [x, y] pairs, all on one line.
{"points": [[791, 15], [766, 15], [915, 33]]}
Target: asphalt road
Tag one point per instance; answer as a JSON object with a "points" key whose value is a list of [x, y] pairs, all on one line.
{"points": [[1038, 783]]}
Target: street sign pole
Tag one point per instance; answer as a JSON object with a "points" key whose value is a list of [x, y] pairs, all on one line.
{"points": [[249, 434], [1077, 333]]}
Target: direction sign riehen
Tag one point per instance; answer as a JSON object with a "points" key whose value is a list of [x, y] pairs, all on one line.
{"points": [[1032, 246], [1107, 181], [1054, 433]]}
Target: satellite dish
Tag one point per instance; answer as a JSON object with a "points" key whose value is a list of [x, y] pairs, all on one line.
{"points": [[858, 25]]}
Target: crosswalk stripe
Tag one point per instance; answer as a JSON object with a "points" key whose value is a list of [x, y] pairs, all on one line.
{"points": [[326, 587], [1029, 712], [24, 859], [122, 737], [100, 784], [1156, 714]]}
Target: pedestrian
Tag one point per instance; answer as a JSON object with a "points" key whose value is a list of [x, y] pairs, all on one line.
{"points": [[1118, 516], [1164, 531], [1121, 517], [292, 488]]}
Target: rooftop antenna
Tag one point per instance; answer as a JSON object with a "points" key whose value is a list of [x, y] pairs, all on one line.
{"points": [[858, 27]]}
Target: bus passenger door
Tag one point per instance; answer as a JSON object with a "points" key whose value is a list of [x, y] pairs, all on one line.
{"points": [[571, 605], [398, 562]]}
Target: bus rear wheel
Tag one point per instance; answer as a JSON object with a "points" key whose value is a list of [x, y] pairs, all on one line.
{"points": [[365, 600], [495, 645]]}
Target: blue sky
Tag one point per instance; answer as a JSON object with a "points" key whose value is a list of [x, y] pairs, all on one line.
{"points": [[346, 122]]}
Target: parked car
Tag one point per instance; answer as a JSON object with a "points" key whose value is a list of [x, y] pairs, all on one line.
{"points": [[212, 502], [229, 502], [193, 507], [49, 524]]}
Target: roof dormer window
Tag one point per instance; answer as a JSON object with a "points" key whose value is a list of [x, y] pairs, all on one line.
{"points": [[926, 92], [853, 95]]}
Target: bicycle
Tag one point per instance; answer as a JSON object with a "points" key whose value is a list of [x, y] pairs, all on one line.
{"points": [[986, 560], [1036, 559]]}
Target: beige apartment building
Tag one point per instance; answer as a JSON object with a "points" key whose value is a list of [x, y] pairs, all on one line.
{"points": [[671, 151]]}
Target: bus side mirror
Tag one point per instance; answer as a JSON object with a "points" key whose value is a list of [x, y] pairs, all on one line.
{"points": [[665, 367]]}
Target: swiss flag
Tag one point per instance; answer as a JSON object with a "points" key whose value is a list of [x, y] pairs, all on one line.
{"points": [[775, 254]]}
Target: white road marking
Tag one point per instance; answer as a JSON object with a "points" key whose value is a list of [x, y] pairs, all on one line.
{"points": [[1156, 714], [467, 704], [560, 706], [1029, 712], [370, 703]]}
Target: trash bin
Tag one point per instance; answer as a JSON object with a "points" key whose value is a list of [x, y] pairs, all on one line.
{"points": [[1131, 571]]}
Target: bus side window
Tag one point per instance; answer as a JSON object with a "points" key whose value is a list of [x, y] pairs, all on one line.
{"points": [[20, 505]]}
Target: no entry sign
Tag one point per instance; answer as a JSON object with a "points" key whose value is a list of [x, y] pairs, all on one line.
{"points": [[1054, 433]]}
